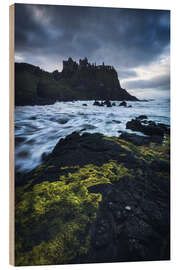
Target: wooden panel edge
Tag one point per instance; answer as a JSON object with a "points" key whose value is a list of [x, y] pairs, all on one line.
{"points": [[11, 139]]}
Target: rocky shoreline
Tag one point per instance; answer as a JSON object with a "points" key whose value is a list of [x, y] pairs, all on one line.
{"points": [[97, 199]]}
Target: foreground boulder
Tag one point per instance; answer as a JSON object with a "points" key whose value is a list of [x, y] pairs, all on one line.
{"points": [[95, 199]]}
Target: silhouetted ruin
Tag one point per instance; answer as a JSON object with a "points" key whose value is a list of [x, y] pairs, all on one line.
{"points": [[72, 66], [76, 81]]}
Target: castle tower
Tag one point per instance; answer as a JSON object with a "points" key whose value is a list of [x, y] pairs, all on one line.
{"points": [[70, 65], [83, 63]]}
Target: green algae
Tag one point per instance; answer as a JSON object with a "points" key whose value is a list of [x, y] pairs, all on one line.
{"points": [[145, 152], [91, 175], [156, 151], [51, 220]]}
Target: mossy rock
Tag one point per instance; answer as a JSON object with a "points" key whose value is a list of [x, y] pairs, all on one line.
{"points": [[53, 221], [84, 179]]}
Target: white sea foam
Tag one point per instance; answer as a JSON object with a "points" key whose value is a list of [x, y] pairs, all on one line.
{"points": [[38, 128]]}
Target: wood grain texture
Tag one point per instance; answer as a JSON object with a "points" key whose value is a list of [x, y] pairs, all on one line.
{"points": [[11, 138]]}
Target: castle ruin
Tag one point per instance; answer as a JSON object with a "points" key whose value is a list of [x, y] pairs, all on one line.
{"points": [[72, 66]]}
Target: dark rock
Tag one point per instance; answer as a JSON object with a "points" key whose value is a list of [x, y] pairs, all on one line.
{"points": [[101, 103], [108, 103], [116, 121], [19, 140], [44, 156], [140, 140], [160, 166], [97, 103], [150, 128], [123, 103], [23, 154], [130, 106], [84, 104], [33, 118], [62, 121], [166, 128], [134, 125], [113, 104], [31, 141], [141, 117], [111, 206], [119, 216], [145, 122]]}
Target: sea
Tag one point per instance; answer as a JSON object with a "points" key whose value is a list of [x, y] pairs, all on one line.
{"points": [[39, 128]]}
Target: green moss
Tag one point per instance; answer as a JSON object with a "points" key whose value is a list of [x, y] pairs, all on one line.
{"points": [[91, 175], [51, 221], [40, 168], [155, 151], [53, 218], [50, 166], [145, 152], [128, 146]]}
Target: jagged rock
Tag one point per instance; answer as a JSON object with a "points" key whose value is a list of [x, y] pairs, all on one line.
{"points": [[97, 103], [108, 103], [148, 128], [141, 117], [140, 140], [123, 104], [33, 118]]}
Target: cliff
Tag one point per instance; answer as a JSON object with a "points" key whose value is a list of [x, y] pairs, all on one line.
{"points": [[77, 81]]}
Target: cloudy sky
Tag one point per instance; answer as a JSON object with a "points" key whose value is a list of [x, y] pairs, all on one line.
{"points": [[135, 41]]}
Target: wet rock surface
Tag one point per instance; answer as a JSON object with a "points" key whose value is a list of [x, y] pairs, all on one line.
{"points": [[133, 219], [123, 104], [147, 127]]}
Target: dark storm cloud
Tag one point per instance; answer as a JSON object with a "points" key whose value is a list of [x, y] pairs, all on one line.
{"points": [[124, 38], [132, 36]]}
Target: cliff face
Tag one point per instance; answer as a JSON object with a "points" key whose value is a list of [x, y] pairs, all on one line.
{"points": [[76, 82]]}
